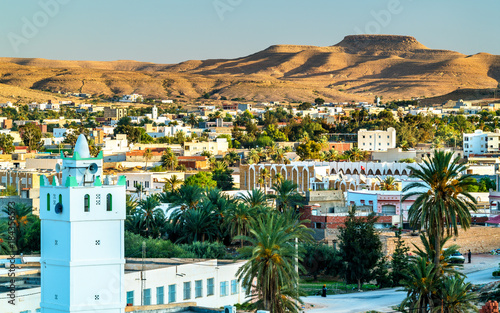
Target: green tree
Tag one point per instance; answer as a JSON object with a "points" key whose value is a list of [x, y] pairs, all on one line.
{"points": [[31, 136], [320, 259], [239, 219], [152, 217], [286, 196], [187, 197], [169, 159], [271, 254], [442, 202], [148, 155], [319, 101], [400, 260], [7, 144], [254, 198], [223, 178], [172, 183], [309, 150], [201, 179], [360, 247]]}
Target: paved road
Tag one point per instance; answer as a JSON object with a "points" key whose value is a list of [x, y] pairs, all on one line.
{"points": [[379, 300]]}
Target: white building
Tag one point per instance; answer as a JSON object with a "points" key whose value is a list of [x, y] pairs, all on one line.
{"points": [[209, 283], [82, 222], [377, 140], [476, 143], [155, 112], [60, 132], [131, 98], [118, 145]]}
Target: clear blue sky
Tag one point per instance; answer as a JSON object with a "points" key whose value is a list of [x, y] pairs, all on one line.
{"points": [[171, 31]]}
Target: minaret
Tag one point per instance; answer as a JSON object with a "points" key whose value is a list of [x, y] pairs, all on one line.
{"points": [[82, 220], [155, 113]]}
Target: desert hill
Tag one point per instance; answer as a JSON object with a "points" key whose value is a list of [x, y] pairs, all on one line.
{"points": [[357, 68]]}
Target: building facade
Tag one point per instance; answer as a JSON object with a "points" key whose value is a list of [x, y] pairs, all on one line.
{"points": [[82, 221], [377, 140]]}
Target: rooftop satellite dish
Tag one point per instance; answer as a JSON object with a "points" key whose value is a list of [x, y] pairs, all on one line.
{"points": [[93, 168], [58, 168]]}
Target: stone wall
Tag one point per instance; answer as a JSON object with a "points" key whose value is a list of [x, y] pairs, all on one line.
{"points": [[479, 239]]}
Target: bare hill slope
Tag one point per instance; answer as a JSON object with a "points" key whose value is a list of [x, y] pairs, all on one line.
{"points": [[357, 68]]}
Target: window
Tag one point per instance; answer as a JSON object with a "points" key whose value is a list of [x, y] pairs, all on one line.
{"points": [[223, 288], [159, 295], [86, 203], [48, 202], [60, 199], [187, 290], [128, 183], [147, 296], [198, 289], [171, 293], [210, 287], [130, 297], [234, 287], [146, 184], [109, 202]]}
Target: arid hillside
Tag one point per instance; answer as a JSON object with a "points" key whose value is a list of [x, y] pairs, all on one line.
{"points": [[357, 68]]}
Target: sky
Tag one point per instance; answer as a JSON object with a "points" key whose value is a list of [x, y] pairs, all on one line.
{"points": [[172, 31]]}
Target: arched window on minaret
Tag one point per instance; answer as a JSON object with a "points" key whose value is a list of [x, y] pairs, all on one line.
{"points": [[86, 203], [48, 202], [109, 202], [60, 199]]}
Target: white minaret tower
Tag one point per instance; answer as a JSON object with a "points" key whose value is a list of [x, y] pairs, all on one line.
{"points": [[155, 113], [82, 220]]}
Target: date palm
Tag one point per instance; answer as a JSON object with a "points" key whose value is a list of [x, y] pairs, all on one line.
{"points": [[286, 195], [389, 183], [442, 201], [271, 257], [153, 217], [187, 197], [148, 155], [238, 219], [173, 182], [254, 198], [264, 175], [196, 224]]}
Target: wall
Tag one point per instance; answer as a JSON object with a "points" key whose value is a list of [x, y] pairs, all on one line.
{"points": [[479, 239], [177, 275], [26, 300]]}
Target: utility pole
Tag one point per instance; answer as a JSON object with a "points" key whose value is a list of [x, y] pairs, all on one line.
{"points": [[143, 275]]}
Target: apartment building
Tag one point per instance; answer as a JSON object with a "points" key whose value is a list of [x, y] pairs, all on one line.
{"points": [[114, 113], [480, 142], [377, 140]]}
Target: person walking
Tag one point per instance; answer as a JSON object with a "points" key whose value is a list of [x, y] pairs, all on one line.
{"points": [[323, 293], [469, 255]]}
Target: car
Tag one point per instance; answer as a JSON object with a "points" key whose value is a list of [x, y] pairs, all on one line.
{"points": [[457, 258]]}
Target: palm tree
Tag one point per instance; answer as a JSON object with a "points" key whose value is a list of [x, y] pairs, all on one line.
{"points": [[286, 195], [271, 258], [389, 183], [152, 217], [139, 190], [130, 205], [254, 198], [20, 215], [232, 158], [148, 155], [187, 197], [4, 238], [196, 224], [457, 295], [442, 200], [239, 219], [168, 159], [264, 175], [218, 166], [278, 178], [253, 157], [173, 182]]}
